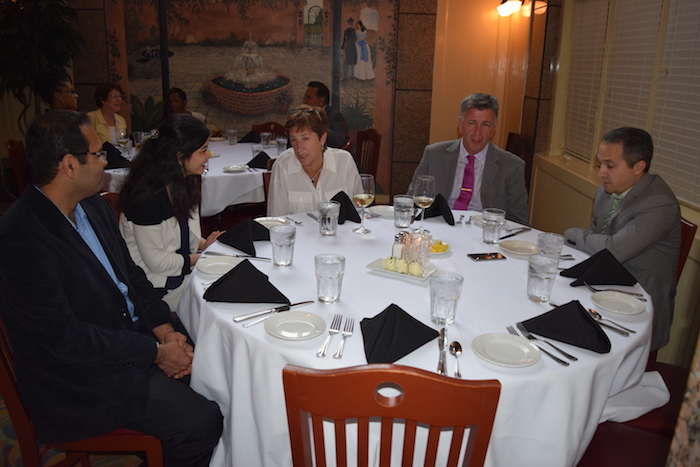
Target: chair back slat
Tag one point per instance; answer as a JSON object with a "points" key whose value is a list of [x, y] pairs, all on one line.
{"points": [[367, 150]]}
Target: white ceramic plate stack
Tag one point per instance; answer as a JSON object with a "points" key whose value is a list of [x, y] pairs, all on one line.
{"points": [[295, 325], [234, 169], [618, 303], [518, 248], [217, 266]]}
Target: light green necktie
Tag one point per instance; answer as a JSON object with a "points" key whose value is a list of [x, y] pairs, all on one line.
{"points": [[615, 204]]}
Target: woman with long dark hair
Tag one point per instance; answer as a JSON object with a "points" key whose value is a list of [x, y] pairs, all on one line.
{"points": [[159, 203]]}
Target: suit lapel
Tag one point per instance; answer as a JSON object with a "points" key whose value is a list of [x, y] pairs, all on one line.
{"points": [[636, 190]]}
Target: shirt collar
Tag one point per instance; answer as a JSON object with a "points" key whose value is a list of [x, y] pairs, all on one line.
{"points": [[479, 156]]}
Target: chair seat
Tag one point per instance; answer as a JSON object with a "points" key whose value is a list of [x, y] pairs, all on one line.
{"points": [[618, 445]]}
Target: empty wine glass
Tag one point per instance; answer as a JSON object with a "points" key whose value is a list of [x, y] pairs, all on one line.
{"points": [[363, 197], [424, 196]]}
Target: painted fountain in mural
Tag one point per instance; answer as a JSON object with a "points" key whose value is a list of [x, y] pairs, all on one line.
{"points": [[249, 88]]}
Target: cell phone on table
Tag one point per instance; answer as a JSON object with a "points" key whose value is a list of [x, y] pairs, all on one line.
{"points": [[485, 256]]}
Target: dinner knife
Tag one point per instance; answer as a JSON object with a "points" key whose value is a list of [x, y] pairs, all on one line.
{"points": [[529, 335], [276, 309], [216, 253], [613, 328], [524, 229], [313, 216], [442, 344]]}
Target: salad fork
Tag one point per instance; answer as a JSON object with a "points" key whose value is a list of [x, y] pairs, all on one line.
{"points": [[347, 332], [634, 294], [334, 329], [557, 359]]}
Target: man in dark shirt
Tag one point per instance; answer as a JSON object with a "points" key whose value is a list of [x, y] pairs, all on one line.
{"points": [[317, 94]]}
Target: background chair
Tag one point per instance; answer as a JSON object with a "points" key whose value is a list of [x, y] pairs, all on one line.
{"points": [[367, 151], [18, 159], [113, 200], [358, 393], [271, 127], [121, 440], [688, 230]]}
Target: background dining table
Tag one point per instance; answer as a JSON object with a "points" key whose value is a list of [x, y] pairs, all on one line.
{"points": [[547, 413], [219, 188]]}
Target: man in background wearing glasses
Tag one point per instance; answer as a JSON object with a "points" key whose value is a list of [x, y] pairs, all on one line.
{"points": [[94, 346]]}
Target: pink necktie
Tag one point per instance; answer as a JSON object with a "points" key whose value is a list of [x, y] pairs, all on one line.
{"points": [[465, 193]]}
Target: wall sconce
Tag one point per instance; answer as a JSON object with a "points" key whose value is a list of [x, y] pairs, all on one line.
{"points": [[540, 7], [508, 7]]}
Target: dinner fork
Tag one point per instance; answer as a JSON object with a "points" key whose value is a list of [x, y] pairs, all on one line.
{"points": [[334, 329], [521, 327], [557, 359], [347, 332], [634, 294]]}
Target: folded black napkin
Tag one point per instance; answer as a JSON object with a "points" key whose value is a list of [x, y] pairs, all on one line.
{"points": [[244, 284], [440, 208], [250, 137], [393, 334], [242, 235], [571, 324], [348, 211], [600, 269], [115, 160], [259, 161]]}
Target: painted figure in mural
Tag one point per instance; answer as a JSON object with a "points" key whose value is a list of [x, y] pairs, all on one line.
{"points": [[496, 178], [309, 171], [57, 93], [318, 95], [363, 68], [177, 102], [159, 202], [105, 119], [350, 49]]}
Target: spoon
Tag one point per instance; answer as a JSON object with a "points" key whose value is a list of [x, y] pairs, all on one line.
{"points": [[599, 317], [456, 351]]}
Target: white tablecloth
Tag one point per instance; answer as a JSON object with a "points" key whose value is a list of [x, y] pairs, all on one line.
{"points": [[547, 413], [219, 189]]}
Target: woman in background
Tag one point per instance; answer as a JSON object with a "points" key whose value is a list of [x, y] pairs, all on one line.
{"points": [[363, 68], [56, 92], [309, 171], [105, 120], [159, 203]]}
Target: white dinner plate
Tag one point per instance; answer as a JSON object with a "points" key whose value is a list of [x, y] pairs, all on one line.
{"points": [[382, 210], [234, 169], [217, 266], [620, 303], [439, 252], [295, 325], [376, 266], [506, 350], [518, 247], [217, 138], [271, 221]]}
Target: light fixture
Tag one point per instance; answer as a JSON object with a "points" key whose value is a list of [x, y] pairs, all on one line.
{"points": [[540, 7], [508, 7]]}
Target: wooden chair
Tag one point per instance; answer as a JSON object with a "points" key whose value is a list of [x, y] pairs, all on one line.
{"points": [[367, 151], [267, 176], [357, 393], [271, 127], [688, 230], [18, 159], [113, 200], [121, 440]]}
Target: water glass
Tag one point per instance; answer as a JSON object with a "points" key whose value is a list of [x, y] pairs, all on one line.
{"points": [[493, 220], [550, 244], [328, 212], [281, 144], [232, 136], [282, 239], [139, 138], [329, 276], [265, 139], [541, 271], [403, 211], [257, 149], [445, 289]]}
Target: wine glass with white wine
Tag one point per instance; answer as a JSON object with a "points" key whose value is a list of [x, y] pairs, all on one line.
{"points": [[122, 139], [424, 196], [363, 197]]}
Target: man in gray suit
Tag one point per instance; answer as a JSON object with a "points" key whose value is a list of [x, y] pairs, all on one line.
{"points": [[499, 176], [636, 216]]}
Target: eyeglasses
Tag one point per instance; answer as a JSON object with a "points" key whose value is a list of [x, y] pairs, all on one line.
{"points": [[120, 96], [306, 110], [101, 154], [68, 92]]}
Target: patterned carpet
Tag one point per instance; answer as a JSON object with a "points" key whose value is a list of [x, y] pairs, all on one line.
{"points": [[11, 457]]}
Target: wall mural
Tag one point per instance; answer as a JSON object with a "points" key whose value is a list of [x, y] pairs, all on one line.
{"points": [[246, 62]]}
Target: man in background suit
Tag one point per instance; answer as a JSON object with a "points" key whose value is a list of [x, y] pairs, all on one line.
{"points": [[94, 346], [636, 216], [499, 176], [350, 48], [318, 95]]}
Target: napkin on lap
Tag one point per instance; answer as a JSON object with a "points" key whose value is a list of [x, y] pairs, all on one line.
{"points": [[600, 269], [244, 284], [440, 208], [259, 161], [242, 235], [348, 211], [570, 323], [393, 334]]}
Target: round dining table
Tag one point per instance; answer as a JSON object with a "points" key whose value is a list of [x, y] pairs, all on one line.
{"points": [[220, 187], [547, 413]]}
